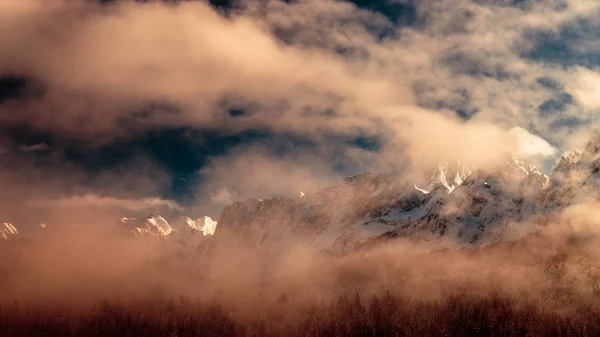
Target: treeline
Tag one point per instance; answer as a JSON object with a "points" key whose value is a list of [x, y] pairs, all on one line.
{"points": [[458, 314]]}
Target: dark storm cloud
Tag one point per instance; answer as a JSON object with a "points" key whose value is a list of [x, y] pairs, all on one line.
{"points": [[359, 81], [571, 44]]}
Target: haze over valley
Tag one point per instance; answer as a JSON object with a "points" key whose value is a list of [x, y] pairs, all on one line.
{"points": [[313, 168]]}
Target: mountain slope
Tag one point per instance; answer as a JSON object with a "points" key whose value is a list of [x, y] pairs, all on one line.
{"points": [[465, 205], [460, 205]]}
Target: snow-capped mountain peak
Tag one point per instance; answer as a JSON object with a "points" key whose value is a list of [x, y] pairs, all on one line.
{"points": [[156, 225], [449, 176], [204, 224], [460, 204], [7, 230], [569, 161], [182, 230]]}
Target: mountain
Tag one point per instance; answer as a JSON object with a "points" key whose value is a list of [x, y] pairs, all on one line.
{"points": [[460, 205], [576, 178], [182, 230], [192, 233], [466, 205]]}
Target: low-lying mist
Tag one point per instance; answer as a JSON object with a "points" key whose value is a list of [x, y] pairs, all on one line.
{"points": [[311, 91], [555, 269]]}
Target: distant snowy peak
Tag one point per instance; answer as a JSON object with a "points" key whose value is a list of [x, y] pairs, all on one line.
{"points": [[209, 226], [576, 178], [183, 230], [568, 162], [7, 230], [155, 225], [449, 176], [204, 224], [530, 177], [511, 169], [461, 203]]}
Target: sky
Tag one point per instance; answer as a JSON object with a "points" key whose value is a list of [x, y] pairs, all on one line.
{"points": [[195, 104]]}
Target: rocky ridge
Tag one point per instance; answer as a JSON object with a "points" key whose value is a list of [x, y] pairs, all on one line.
{"points": [[461, 205]]}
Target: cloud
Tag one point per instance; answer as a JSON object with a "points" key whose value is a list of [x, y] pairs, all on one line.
{"points": [[458, 84], [33, 148], [90, 200], [254, 171], [586, 87], [453, 84], [222, 196], [530, 145], [118, 56]]}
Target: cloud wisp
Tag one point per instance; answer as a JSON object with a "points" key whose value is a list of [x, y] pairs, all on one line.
{"points": [[454, 83]]}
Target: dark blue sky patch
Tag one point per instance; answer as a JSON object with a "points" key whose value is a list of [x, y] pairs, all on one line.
{"points": [[234, 107], [467, 113], [568, 123], [401, 13], [222, 4], [459, 101], [11, 86], [22, 134], [549, 83], [237, 112], [567, 47], [524, 5], [365, 142], [180, 151], [521, 4], [19, 87], [558, 103]]}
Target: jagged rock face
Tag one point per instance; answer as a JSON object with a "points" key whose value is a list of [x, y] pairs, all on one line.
{"points": [[154, 225], [565, 179], [321, 214], [479, 210], [192, 232], [461, 204], [575, 179], [184, 231], [450, 176], [475, 212]]}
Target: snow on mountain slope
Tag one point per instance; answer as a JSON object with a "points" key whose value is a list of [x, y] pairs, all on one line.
{"points": [[450, 176], [475, 212], [182, 230], [576, 178], [155, 225], [461, 204], [320, 216], [7, 230], [192, 232]]}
